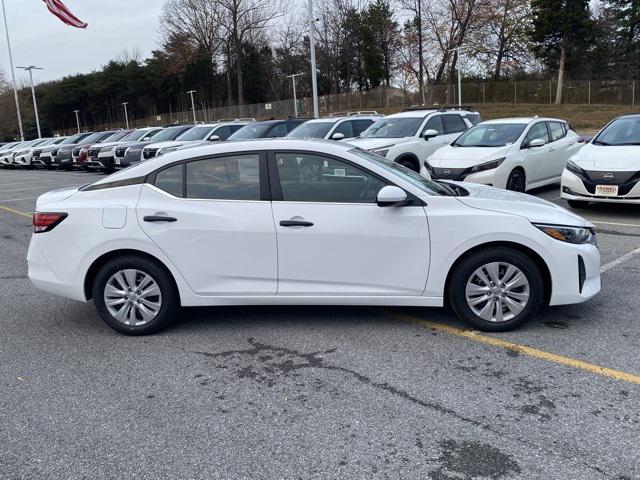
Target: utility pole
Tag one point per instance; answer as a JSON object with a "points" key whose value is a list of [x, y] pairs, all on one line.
{"points": [[457, 50], [295, 98], [126, 114], [193, 105], [420, 56], [77, 112], [314, 72], [13, 73], [33, 94]]}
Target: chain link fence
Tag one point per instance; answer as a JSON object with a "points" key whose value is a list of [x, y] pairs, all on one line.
{"points": [[614, 92]]}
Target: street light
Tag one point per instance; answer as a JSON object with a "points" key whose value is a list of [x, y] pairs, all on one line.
{"points": [[77, 112], [312, 45], [457, 50], [126, 114], [13, 73], [193, 105], [30, 69], [295, 99]]}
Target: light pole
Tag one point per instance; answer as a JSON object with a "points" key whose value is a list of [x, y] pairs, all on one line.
{"points": [[314, 73], [193, 105], [126, 114], [457, 50], [30, 69], [77, 112], [13, 73], [295, 99]]}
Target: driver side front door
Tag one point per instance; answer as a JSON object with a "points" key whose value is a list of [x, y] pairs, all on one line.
{"points": [[333, 239]]}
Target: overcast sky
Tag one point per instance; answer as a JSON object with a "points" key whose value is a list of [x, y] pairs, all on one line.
{"points": [[39, 38]]}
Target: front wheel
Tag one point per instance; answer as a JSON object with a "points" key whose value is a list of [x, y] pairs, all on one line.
{"points": [[577, 203], [496, 290], [135, 296]]}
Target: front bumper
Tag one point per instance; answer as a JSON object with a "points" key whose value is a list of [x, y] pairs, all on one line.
{"points": [[573, 188], [100, 163], [575, 274]]}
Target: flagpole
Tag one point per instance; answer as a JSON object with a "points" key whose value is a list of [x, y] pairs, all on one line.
{"points": [[13, 73]]}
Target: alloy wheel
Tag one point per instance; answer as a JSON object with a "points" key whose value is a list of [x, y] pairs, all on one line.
{"points": [[497, 292], [132, 297]]}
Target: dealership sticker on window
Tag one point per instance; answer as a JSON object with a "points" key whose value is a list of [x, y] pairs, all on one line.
{"points": [[339, 172], [248, 170]]}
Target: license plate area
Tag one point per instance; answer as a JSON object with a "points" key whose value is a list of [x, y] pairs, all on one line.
{"points": [[607, 190]]}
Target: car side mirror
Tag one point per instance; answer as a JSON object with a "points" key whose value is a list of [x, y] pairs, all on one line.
{"points": [[337, 136], [536, 142], [428, 134], [391, 196], [214, 138]]}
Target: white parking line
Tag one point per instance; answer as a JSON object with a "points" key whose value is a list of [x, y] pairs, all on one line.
{"points": [[46, 187], [616, 224], [620, 260], [17, 199]]}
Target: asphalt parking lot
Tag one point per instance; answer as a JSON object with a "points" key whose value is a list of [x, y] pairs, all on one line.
{"points": [[293, 392]]}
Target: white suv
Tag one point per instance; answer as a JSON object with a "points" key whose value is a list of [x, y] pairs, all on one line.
{"points": [[411, 136], [336, 127]]}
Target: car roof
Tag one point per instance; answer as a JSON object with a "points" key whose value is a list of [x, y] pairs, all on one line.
{"points": [[259, 144], [524, 120]]}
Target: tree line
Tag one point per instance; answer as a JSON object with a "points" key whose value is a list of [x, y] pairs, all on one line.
{"points": [[236, 52]]}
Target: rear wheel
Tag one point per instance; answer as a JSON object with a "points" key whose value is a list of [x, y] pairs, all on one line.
{"points": [[517, 181], [577, 203], [496, 289], [135, 296]]}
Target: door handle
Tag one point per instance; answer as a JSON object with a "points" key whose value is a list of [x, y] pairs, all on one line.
{"points": [[159, 218], [295, 223]]}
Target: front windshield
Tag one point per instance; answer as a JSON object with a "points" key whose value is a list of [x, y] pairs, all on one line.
{"points": [[169, 133], [394, 127], [135, 135], [311, 130], [74, 138], [623, 131], [251, 131], [427, 186], [195, 133], [490, 135], [94, 137], [116, 136]]}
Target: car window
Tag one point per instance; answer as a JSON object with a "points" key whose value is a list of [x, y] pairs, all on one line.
{"points": [[306, 177], [278, 131], [222, 132], [345, 128], [557, 130], [434, 123], [360, 126], [539, 130], [453, 123], [170, 180], [224, 178]]}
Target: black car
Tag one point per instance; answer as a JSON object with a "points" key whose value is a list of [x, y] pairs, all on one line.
{"points": [[129, 154], [267, 129], [49, 157]]}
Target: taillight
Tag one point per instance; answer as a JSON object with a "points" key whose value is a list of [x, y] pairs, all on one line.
{"points": [[45, 222]]}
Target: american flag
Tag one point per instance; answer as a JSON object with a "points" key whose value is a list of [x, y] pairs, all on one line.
{"points": [[62, 12]]}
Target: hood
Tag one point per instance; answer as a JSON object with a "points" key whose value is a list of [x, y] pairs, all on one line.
{"points": [[375, 143], [466, 157], [601, 157], [534, 209], [55, 196]]}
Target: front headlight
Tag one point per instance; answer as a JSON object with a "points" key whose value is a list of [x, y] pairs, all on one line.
{"points": [[575, 235], [487, 166], [382, 153], [106, 149], [573, 168]]}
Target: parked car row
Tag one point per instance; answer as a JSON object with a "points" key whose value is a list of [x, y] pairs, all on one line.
{"points": [[443, 143]]}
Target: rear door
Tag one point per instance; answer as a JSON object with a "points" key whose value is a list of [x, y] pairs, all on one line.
{"points": [[334, 240], [213, 219]]}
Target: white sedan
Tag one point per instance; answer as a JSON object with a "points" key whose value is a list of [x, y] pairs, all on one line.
{"points": [[304, 222], [607, 169], [513, 153]]}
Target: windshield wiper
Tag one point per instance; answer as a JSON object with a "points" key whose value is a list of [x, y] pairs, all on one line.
{"points": [[600, 142]]}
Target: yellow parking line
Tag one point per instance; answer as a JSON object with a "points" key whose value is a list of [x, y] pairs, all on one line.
{"points": [[17, 212], [523, 349]]}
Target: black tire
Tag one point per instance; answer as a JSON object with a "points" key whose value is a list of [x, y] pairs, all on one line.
{"points": [[464, 272], [410, 164], [168, 291], [517, 181], [578, 203]]}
